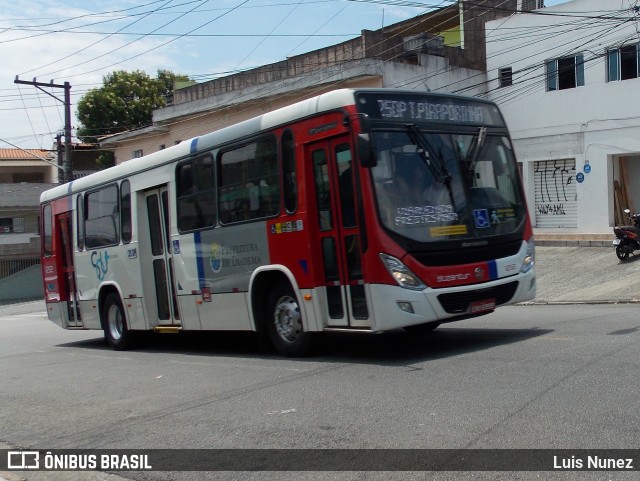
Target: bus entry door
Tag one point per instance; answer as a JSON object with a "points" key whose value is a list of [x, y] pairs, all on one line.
{"points": [[339, 232], [157, 259]]}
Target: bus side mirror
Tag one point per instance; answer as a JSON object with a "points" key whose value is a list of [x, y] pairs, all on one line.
{"points": [[365, 151]]}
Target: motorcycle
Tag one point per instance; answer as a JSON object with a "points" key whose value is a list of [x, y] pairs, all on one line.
{"points": [[627, 237]]}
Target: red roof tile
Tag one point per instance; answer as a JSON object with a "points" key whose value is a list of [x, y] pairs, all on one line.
{"points": [[27, 154]]}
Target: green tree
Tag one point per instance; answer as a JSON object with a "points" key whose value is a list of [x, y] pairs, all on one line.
{"points": [[125, 101]]}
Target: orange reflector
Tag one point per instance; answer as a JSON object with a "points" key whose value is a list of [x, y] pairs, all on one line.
{"points": [[307, 297]]}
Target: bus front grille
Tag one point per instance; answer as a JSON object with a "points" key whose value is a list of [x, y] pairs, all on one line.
{"points": [[459, 302]]}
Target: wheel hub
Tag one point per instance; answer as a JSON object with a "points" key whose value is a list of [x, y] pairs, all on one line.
{"points": [[287, 319], [115, 323]]}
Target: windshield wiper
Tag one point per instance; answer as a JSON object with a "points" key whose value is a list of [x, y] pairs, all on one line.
{"points": [[426, 152], [474, 149]]}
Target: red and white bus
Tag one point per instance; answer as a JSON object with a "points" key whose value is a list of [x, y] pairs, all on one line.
{"points": [[356, 210]]}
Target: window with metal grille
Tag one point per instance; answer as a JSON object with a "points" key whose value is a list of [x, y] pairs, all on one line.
{"points": [[505, 77]]}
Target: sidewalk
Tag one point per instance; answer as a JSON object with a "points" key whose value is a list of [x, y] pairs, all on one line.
{"points": [[574, 273], [573, 240]]}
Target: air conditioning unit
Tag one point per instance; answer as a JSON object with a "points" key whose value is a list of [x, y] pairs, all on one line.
{"points": [[529, 5]]}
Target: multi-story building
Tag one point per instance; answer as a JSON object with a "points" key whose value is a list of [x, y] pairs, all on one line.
{"points": [[24, 175], [567, 81]]}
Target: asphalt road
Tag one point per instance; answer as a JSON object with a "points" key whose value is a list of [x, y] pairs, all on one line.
{"points": [[541, 376]]}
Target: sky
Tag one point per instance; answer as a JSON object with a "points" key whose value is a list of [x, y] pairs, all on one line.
{"points": [[82, 41]]}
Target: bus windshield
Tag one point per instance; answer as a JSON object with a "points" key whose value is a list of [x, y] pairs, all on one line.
{"points": [[440, 186]]}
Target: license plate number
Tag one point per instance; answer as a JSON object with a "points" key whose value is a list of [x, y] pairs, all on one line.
{"points": [[616, 242], [485, 305]]}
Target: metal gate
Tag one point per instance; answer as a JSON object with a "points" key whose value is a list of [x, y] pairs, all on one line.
{"points": [[556, 202]]}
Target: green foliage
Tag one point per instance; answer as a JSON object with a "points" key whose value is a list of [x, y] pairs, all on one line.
{"points": [[126, 101]]}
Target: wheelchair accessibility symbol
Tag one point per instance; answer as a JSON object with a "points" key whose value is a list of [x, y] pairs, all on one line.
{"points": [[481, 217]]}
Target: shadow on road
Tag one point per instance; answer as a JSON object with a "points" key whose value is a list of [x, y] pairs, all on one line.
{"points": [[389, 348]]}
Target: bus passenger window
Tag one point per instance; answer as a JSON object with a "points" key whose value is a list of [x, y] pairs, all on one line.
{"points": [[249, 182], [102, 217], [195, 192], [125, 211]]}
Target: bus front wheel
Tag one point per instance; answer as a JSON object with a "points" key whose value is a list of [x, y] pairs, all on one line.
{"points": [[284, 323], [115, 326]]}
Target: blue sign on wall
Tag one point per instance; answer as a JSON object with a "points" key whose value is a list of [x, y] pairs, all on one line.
{"points": [[580, 177], [587, 168]]}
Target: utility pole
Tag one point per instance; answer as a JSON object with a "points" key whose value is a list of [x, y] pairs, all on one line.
{"points": [[68, 161], [60, 157]]}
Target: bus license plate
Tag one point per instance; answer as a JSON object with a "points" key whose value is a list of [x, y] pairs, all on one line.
{"points": [[485, 305]]}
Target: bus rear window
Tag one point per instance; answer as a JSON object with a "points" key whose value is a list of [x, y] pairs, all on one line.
{"points": [[47, 231]]}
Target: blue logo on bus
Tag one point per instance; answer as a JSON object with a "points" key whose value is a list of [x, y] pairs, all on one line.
{"points": [[481, 217], [215, 258], [100, 263]]}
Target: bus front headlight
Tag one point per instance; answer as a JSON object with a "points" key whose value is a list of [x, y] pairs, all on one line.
{"points": [[401, 273], [529, 258]]}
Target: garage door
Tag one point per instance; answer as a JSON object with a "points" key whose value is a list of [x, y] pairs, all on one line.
{"points": [[556, 199]]}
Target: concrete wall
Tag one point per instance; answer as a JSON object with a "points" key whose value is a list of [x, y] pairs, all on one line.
{"points": [[22, 286], [187, 120]]}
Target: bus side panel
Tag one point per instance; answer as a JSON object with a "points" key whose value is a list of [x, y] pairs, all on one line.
{"points": [[190, 312], [187, 279], [116, 266], [218, 267], [226, 312], [135, 313], [55, 312], [90, 314]]}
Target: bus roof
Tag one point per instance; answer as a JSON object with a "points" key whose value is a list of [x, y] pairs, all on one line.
{"points": [[333, 100]]}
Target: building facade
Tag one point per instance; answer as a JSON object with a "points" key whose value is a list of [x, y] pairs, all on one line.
{"points": [[567, 83], [443, 50], [24, 175]]}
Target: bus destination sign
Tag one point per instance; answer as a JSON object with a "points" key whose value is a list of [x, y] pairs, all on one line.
{"points": [[411, 108]]}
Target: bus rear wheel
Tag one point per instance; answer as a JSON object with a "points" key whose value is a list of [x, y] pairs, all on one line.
{"points": [[284, 322], [114, 324]]}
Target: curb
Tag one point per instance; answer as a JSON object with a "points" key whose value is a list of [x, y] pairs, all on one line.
{"points": [[573, 243], [596, 302]]}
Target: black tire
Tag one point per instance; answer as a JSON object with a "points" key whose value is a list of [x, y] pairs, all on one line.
{"points": [[422, 329], [621, 252], [114, 323], [285, 323]]}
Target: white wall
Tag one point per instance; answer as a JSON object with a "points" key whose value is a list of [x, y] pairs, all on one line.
{"points": [[594, 122]]}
